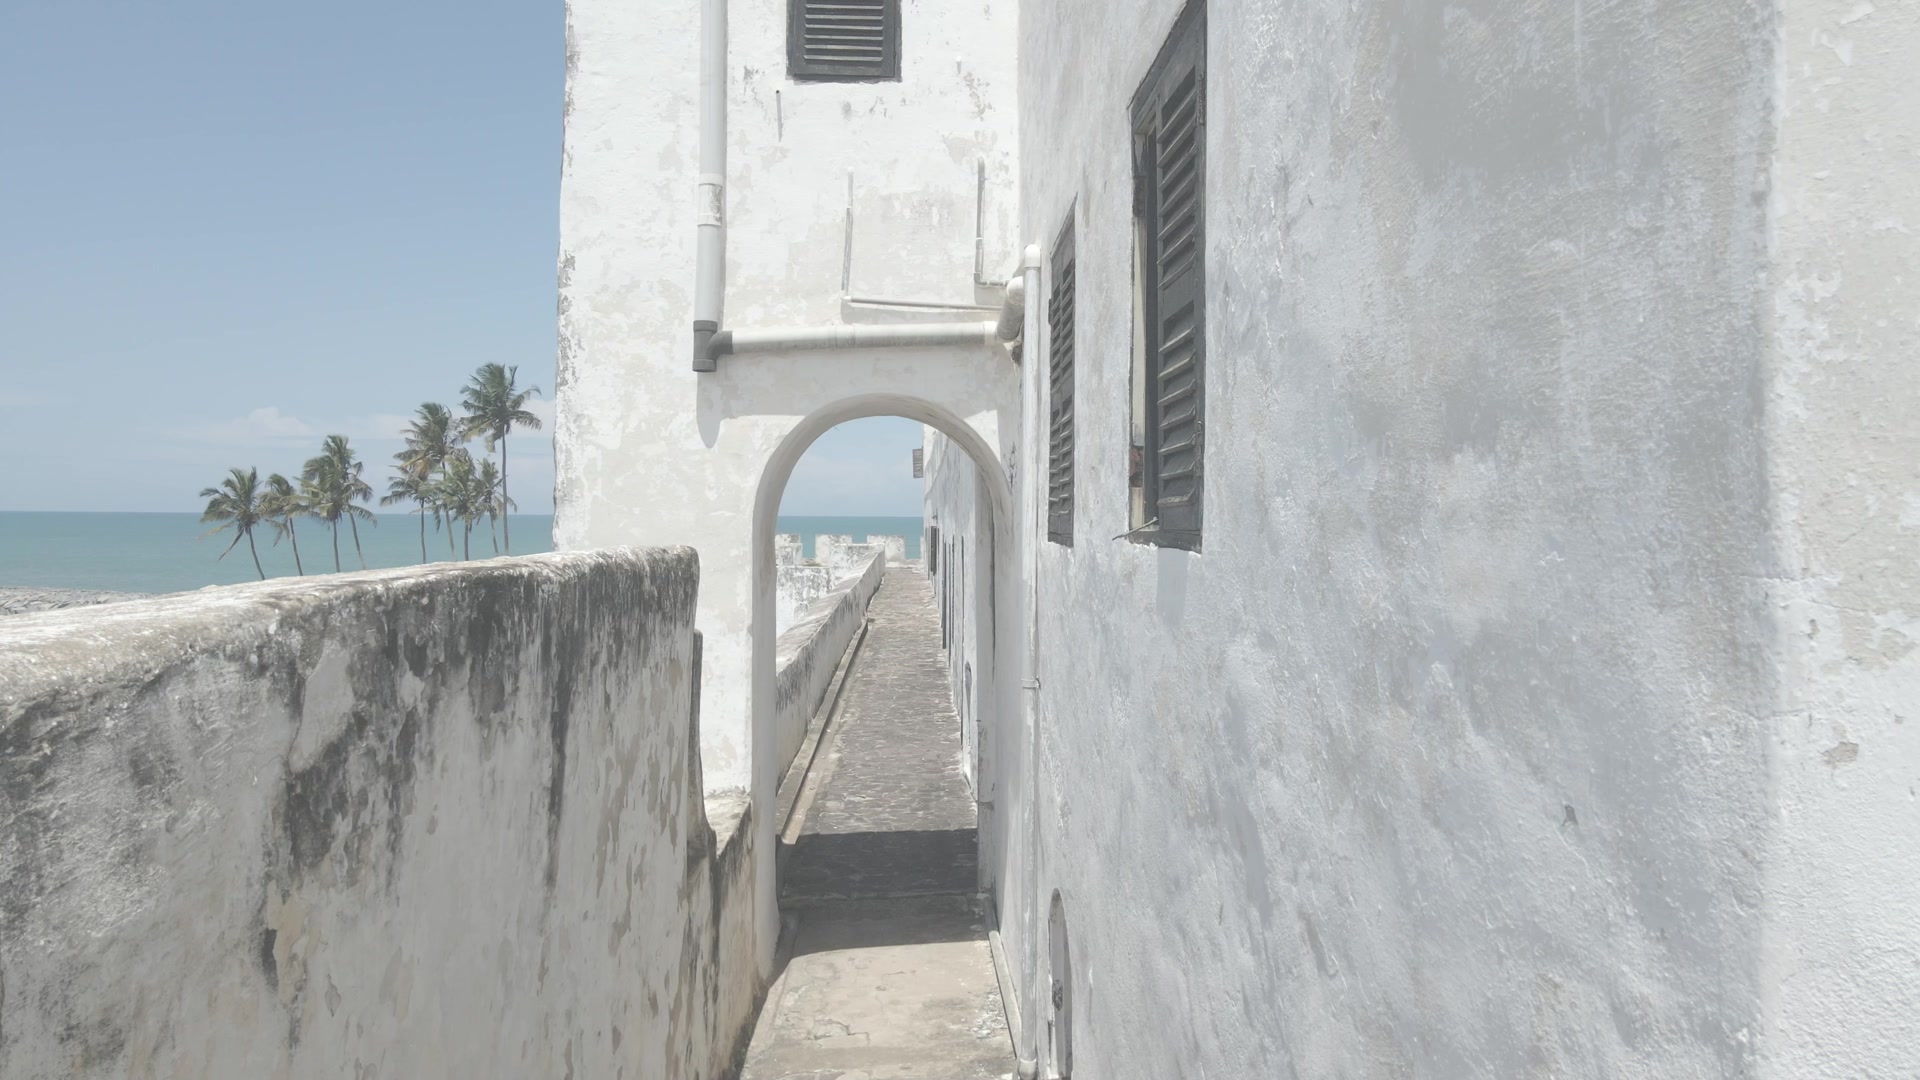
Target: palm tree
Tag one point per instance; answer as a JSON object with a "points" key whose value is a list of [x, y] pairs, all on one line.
{"points": [[493, 497], [459, 492], [324, 495], [235, 504], [417, 486], [280, 505], [352, 490], [431, 436], [494, 408]]}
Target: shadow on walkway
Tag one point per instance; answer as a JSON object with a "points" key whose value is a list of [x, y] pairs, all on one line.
{"points": [[886, 968]]}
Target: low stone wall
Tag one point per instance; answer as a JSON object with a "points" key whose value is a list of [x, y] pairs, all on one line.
{"points": [[428, 822], [16, 600], [807, 654]]}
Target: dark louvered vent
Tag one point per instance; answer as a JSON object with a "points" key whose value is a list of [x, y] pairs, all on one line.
{"points": [[1060, 330], [1170, 115], [843, 40]]}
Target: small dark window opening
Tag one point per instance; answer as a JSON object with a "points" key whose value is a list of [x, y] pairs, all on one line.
{"points": [[1169, 125], [1060, 342], [933, 551], [843, 40]]}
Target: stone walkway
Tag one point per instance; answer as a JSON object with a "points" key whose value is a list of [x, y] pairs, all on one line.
{"points": [[888, 974]]}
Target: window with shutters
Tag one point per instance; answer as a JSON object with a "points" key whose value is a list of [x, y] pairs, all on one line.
{"points": [[843, 40], [1060, 341], [1169, 126]]}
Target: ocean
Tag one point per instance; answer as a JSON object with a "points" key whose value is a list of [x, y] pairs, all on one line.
{"points": [[158, 553]]}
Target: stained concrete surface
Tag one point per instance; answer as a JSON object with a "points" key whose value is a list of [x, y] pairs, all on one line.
{"points": [[438, 821], [887, 970]]}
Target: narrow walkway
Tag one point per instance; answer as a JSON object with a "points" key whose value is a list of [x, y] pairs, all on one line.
{"points": [[888, 973]]}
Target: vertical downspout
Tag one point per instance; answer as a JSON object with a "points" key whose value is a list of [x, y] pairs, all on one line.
{"points": [[710, 253], [1033, 365]]}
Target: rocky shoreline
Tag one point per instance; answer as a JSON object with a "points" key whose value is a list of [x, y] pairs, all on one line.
{"points": [[15, 600]]}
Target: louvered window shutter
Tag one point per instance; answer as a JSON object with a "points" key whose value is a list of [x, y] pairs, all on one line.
{"points": [[1173, 167], [1060, 341], [843, 40]]}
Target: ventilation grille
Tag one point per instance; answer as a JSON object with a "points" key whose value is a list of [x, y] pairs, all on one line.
{"points": [[1060, 329], [844, 40]]}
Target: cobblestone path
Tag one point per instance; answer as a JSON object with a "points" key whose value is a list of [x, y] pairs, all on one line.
{"points": [[895, 816], [888, 972]]}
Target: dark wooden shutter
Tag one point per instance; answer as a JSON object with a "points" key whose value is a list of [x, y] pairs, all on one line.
{"points": [[1172, 116], [843, 40], [1060, 340]]}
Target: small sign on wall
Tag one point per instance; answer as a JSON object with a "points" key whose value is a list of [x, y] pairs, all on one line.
{"points": [[919, 463]]}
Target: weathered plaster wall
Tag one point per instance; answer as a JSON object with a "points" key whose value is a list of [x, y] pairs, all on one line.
{"points": [[1842, 964], [962, 580], [435, 822], [646, 452], [809, 651], [787, 549], [797, 586], [1447, 755], [837, 551]]}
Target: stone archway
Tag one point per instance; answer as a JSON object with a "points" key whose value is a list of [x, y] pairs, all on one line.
{"points": [[994, 685]]}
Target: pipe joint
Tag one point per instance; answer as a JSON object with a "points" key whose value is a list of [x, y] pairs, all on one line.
{"points": [[704, 359]]}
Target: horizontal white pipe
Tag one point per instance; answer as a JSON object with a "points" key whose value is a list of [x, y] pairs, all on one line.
{"points": [[854, 337], [924, 305]]}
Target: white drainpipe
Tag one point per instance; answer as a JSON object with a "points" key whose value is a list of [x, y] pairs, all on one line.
{"points": [[710, 259], [1027, 1052], [710, 342]]}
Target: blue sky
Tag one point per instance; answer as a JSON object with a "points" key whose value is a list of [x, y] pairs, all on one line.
{"points": [[228, 228]]}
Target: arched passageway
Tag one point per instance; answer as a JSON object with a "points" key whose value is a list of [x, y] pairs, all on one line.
{"points": [[881, 864]]}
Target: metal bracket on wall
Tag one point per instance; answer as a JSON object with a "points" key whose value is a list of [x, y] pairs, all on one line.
{"points": [[979, 258]]}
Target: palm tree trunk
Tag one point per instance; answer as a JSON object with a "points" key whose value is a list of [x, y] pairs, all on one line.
{"points": [[505, 525], [493, 532], [295, 537], [336, 545], [466, 542], [256, 556], [354, 523], [446, 520], [423, 534]]}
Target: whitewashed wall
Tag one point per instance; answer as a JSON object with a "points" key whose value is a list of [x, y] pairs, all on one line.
{"points": [[1539, 704], [809, 652], [1840, 971], [962, 586], [430, 822], [797, 585], [646, 451]]}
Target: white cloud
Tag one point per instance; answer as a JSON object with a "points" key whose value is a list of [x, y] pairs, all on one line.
{"points": [[263, 425]]}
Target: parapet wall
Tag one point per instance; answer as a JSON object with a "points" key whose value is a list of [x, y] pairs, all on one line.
{"points": [[433, 822], [808, 653]]}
